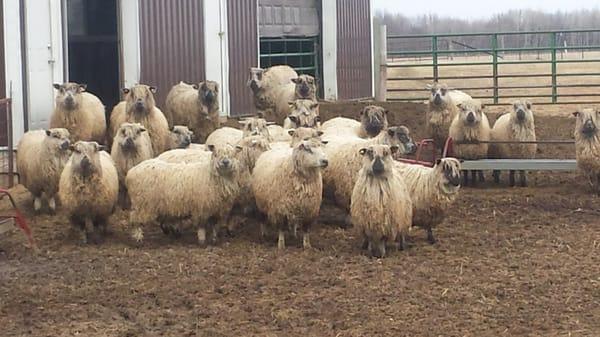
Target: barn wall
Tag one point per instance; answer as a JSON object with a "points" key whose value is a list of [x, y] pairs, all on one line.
{"points": [[171, 44], [243, 53], [354, 49]]}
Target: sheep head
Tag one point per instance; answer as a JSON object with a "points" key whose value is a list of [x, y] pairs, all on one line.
{"points": [[373, 119], [86, 158], [400, 136], [140, 99], [59, 139], [182, 136], [306, 86], [304, 113], [522, 113], [377, 159], [129, 136], [449, 175], [68, 95], [470, 113], [587, 122]]}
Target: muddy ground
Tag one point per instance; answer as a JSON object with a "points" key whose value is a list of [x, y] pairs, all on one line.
{"points": [[509, 262]]}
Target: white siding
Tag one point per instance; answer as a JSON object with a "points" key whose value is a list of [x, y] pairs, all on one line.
{"points": [[12, 63]]}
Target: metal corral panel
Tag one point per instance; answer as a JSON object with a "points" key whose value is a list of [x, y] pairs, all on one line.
{"points": [[279, 18], [171, 44], [243, 53], [521, 164], [354, 49]]}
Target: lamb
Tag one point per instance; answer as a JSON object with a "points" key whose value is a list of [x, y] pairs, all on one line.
{"points": [[302, 87], [517, 125], [139, 107], [303, 113], [41, 157], [470, 126], [195, 106], [80, 112], [432, 191], [131, 146], [345, 161], [441, 111], [381, 208], [587, 145], [250, 126], [288, 188], [262, 81], [201, 193], [89, 188], [180, 137], [373, 119]]}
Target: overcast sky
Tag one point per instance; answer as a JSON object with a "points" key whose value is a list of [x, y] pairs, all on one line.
{"points": [[470, 9]]}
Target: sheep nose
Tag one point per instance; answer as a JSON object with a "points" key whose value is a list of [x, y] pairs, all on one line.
{"points": [[437, 99], [65, 145], [520, 115], [589, 127], [324, 163], [378, 166], [129, 142], [225, 162], [412, 147], [470, 117]]}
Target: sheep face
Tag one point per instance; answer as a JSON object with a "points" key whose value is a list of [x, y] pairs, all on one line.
{"points": [[438, 94], [587, 123], [303, 134], [255, 80], [255, 126], [449, 171], [86, 158], [251, 148], [522, 113], [309, 156], [59, 138], [304, 113], [128, 136], [470, 114], [400, 136], [373, 119], [377, 159], [208, 92], [306, 86], [224, 159], [140, 98], [67, 96], [182, 136]]}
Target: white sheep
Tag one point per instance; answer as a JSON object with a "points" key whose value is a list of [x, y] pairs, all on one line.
{"points": [[442, 109], [139, 107], [303, 113], [373, 119], [195, 106], [201, 193], [130, 147], [288, 188], [302, 87], [432, 191], [41, 157], [250, 127], [381, 208], [89, 188], [80, 112], [180, 137], [587, 145], [470, 125], [518, 125], [263, 81]]}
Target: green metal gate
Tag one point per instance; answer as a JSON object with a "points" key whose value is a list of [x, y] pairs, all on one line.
{"points": [[545, 70]]}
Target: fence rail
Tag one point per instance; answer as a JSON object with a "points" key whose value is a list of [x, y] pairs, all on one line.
{"points": [[7, 155], [442, 45]]}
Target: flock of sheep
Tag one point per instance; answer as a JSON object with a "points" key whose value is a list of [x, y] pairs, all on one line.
{"points": [[181, 169]]}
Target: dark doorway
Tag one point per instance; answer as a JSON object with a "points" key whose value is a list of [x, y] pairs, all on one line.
{"points": [[93, 47]]}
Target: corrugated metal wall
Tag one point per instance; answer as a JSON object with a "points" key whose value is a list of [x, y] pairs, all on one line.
{"points": [[354, 49], [243, 53], [171, 43]]}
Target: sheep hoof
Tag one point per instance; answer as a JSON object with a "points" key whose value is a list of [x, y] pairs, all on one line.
{"points": [[52, 205], [83, 237], [37, 204], [306, 241], [166, 229], [402, 243], [430, 238], [138, 235], [281, 241], [347, 222], [365, 244], [202, 237]]}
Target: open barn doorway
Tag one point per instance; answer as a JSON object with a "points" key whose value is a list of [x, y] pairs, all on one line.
{"points": [[93, 47]]}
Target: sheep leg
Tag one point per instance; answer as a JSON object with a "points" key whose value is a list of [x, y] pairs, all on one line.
{"points": [[201, 236], [37, 203], [79, 224], [378, 249], [402, 242], [481, 176], [101, 224], [365, 243], [511, 178], [430, 237], [281, 240], [474, 177], [496, 175], [465, 178], [523, 178], [347, 222], [52, 205], [166, 228], [306, 236]]}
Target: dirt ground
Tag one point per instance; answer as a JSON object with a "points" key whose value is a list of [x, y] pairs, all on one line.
{"points": [[509, 262]]}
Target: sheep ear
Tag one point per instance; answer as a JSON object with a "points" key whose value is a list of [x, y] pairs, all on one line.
{"points": [[386, 112], [428, 86], [143, 129], [438, 161], [210, 147], [324, 142], [394, 148], [460, 106], [172, 128], [82, 87], [48, 133], [320, 133], [100, 148], [195, 86], [528, 104], [72, 147], [238, 148], [125, 90], [391, 132], [260, 114], [461, 160], [271, 123], [57, 86], [362, 151], [363, 111], [317, 119], [297, 80], [152, 89], [576, 113], [291, 132], [314, 105], [482, 106]]}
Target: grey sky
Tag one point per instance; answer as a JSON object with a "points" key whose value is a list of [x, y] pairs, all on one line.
{"points": [[470, 9]]}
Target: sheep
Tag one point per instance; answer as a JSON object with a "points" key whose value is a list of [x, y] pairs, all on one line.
{"points": [[288, 188], [345, 161], [41, 157], [517, 125], [302, 87], [262, 81], [381, 207], [470, 125], [250, 126], [442, 109], [303, 113], [432, 191], [180, 137], [139, 107], [195, 106], [89, 188], [587, 145], [373, 119], [201, 193], [130, 147], [341, 126], [80, 112]]}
